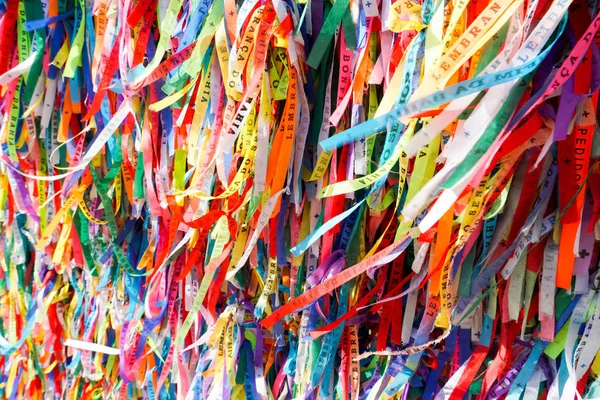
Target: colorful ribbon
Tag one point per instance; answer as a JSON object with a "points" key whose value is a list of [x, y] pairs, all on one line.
{"points": [[266, 199]]}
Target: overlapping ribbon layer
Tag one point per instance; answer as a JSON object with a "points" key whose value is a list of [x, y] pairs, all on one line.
{"points": [[268, 199]]}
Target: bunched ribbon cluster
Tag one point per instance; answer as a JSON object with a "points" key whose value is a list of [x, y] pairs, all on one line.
{"points": [[278, 199]]}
